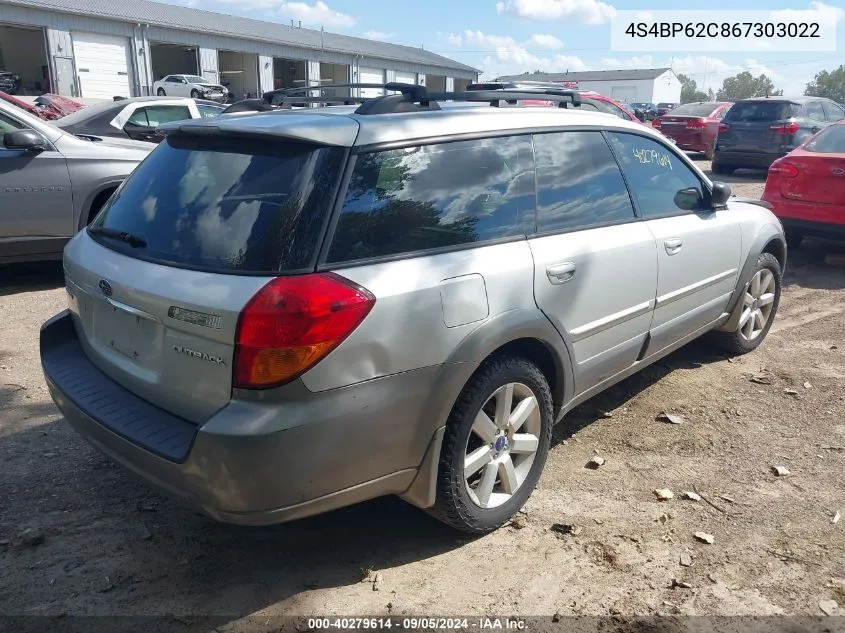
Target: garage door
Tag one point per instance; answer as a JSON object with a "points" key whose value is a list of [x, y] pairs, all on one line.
{"points": [[102, 63], [626, 94], [371, 76], [406, 78]]}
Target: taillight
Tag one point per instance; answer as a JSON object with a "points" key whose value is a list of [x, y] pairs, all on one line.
{"points": [[787, 170], [695, 124], [655, 123], [724, 127], [294, 322], [786, 128]]}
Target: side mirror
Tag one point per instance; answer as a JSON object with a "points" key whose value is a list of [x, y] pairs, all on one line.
{"points": [[27, 140], [720, 195], [688, 199]]}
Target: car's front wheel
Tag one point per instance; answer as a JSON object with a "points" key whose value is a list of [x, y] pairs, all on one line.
{"points": [[759, 305], [195, 94], [495, 446], [160, 92]]}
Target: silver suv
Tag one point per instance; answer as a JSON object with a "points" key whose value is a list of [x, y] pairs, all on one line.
{"points": [[282, 313]]}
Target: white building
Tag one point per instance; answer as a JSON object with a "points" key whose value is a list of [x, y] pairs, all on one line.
{"points": [[648, 85], [99, 49]]}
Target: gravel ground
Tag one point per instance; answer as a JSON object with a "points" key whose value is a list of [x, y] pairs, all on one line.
{"points": [[101, 543]]}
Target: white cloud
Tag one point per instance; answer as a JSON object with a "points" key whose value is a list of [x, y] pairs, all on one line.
{"points": [[454, 39], [640, 61], [318, 13], [379, 35], [817, 12], [587, 11], [541, 40]]}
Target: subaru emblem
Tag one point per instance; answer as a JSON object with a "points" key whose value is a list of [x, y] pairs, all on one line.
{"points": [[105, 287], [838, 171]]}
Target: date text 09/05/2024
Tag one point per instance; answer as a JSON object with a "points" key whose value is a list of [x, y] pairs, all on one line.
{"points": [[724, 29], [417, 623]]}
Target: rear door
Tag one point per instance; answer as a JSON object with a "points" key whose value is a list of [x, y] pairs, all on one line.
{"points": [[214, 219], [595, 263], [698, 249], [750, 126]]}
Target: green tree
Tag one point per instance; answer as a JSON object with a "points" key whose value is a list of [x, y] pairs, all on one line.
{"points": [[828, 84], [689, 90], [745, 86]]}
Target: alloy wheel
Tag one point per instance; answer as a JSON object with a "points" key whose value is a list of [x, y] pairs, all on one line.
{"points": [[502, 445], [758, 303]]}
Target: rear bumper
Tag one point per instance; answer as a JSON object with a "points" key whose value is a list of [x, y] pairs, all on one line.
{"points": [[810, 228], [243, 466], [749, 160], [808, 218]]}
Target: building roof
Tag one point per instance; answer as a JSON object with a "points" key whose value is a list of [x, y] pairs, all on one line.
{"points": [[189, 19], [591, 75]]}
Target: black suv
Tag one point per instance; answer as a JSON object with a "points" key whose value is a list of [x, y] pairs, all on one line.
{"points": [[756, 132]]}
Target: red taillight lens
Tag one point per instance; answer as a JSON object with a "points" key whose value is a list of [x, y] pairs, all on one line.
{"points": [[787, 170], [695, 124], [724, 127], [293, 323], [786, 128], [655, 123]]}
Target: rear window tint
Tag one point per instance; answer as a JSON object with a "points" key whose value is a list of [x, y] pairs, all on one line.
{"points": [[226, 205], [435, 196], [831, 140], [758, 111], [695, 109]]}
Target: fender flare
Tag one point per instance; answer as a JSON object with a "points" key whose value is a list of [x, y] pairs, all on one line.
{"points": [[488, 337], [766, 234]]}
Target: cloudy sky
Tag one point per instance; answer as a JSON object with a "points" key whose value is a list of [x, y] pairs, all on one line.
{"points": [[513, 36]]}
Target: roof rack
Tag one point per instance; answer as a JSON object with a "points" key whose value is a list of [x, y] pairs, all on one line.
{"points": [[414, 97]]}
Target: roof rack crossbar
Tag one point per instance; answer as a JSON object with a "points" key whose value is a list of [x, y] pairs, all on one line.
{"points": [[419, 95]]}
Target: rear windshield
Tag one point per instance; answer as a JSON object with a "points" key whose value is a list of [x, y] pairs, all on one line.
{"points": [[695, 109], [225, 205], [831, 140], [758, 111]]}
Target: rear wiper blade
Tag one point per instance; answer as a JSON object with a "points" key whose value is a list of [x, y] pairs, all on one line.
{"points": [[133, 240]]}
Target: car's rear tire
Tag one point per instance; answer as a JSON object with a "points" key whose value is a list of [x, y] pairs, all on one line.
{"points": [[195, 94], [495, 445], [160, 92], [721, 169], [760, 300]]}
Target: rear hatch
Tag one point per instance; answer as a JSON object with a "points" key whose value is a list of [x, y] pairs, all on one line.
{"points": [[159, 279], [821, 170], [758, 126]]}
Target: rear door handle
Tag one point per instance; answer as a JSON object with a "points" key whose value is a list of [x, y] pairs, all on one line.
{"points": [[673, 245], [560, 273]]}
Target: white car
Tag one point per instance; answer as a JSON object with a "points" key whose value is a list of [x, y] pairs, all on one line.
{"points": [[192, 86]]}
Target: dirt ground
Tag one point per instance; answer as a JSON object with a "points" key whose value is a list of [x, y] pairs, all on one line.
{"points": [[113, 546]]}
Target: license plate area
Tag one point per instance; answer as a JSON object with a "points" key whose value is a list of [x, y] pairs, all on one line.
{"points": [[116, 329]]}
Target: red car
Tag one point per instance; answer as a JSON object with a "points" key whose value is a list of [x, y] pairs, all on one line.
{"points": [[806, 188], [693, 126], [48, 107]]}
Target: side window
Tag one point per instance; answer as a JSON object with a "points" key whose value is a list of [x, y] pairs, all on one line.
{"points": [[579, 184], [834, 112], [662, 184], [815, 111], [434, 196], [7, 124], [139, 117], [156, 115]]}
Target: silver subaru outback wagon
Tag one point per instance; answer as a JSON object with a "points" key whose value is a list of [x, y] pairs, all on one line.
{"points": [[283, 313]]}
